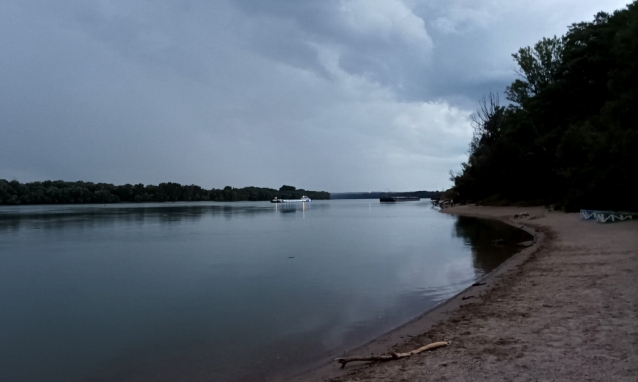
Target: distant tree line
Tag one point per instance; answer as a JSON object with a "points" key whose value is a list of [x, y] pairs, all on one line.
{"points": [[570, 135], [377, 195], [60, 192]]}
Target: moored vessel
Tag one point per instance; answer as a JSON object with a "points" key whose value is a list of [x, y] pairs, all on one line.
{"points": [[304, 199]]}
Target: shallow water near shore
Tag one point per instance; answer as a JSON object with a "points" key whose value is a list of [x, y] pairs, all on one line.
{"points": [[222, 291]]}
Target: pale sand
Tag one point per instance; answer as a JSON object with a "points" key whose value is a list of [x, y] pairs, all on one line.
{"points": [[565, 310]]}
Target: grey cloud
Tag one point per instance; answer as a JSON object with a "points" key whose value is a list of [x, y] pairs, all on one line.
{"points": [[474, 40], [392, 52], [333, 95]]}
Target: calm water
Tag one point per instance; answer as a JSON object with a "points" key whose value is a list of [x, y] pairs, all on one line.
{"points": [[216, 291]]}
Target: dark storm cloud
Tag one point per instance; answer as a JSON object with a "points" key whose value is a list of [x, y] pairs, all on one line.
{"points": [[383, 41], [333, 95]]}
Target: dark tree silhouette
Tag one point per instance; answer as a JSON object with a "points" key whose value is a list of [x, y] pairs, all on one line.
{"points": [[570, 136]]}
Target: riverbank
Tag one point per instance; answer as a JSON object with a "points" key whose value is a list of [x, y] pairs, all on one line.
{"points": [[563, 309]]}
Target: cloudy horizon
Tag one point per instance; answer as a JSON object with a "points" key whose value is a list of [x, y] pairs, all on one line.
{"points": [[336, 95]]}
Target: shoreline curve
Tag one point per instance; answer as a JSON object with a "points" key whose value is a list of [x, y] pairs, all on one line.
{"points": [[567, 313], [327, 369]]}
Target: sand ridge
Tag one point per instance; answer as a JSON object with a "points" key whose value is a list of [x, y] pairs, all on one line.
{"points": [[568, 311]]}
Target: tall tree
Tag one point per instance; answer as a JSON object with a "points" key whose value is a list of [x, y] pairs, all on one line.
{"points": [[538, 65]]}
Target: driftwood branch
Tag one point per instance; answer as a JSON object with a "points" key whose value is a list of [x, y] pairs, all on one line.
{"points": [[392, 355]]}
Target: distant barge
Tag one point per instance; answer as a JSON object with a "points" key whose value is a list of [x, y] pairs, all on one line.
{"points": [[392, 199], [304, 199]]}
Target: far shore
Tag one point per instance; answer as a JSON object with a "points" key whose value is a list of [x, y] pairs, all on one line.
{"points": [[565, 308]]}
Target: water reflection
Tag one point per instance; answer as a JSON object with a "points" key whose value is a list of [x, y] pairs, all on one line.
{"points": [[220, 291], [92, 216], [480, 235], [287, 208]]}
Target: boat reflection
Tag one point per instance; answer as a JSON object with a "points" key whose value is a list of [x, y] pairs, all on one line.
{"points": [[287, 208]]}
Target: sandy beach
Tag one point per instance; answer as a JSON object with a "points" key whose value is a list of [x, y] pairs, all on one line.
{"points": [[564, 309]]}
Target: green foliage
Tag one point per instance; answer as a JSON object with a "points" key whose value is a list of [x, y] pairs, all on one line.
{"points": [[60, 192], [539, 66], [570, 137]]}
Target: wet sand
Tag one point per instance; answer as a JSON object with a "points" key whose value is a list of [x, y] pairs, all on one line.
{"points": [[564, 309]]}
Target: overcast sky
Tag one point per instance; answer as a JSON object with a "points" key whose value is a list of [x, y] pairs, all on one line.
{"points": [[334, 95]]}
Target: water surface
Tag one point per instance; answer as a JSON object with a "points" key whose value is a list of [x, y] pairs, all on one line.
{"points": [[221, 291]]}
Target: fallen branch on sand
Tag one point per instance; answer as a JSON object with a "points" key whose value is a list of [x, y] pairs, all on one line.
{"points": [[392, 355]]}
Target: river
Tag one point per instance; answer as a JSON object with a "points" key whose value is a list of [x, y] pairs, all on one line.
{"points": [[222, 291]]}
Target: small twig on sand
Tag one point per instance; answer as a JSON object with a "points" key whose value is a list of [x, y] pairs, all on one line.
{"points": [[392, 355]]}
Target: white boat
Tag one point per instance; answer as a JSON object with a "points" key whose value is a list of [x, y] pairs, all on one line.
{"points": [[304, 199]]}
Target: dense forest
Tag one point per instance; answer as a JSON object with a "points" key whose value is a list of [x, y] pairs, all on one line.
{"points": [[569, 134], [60, 192]]}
